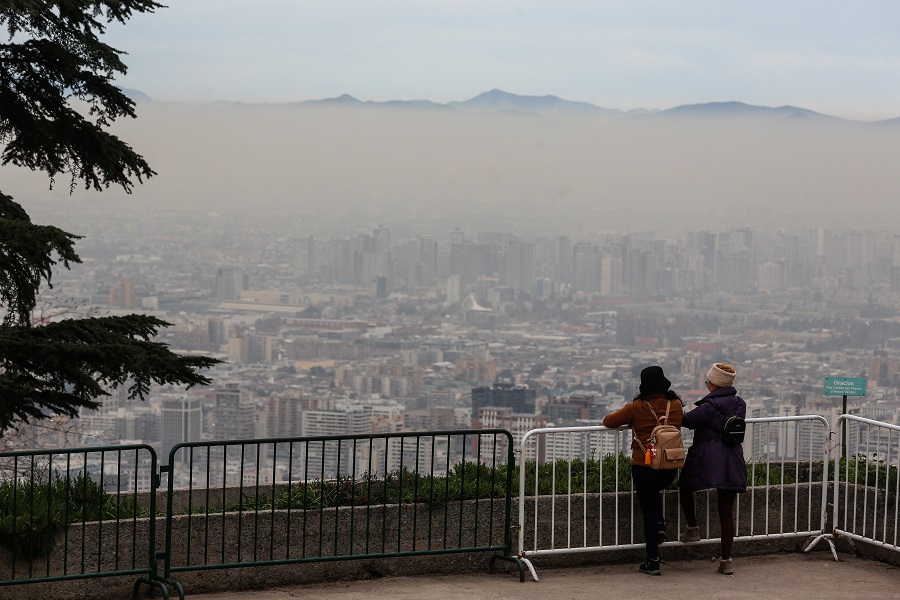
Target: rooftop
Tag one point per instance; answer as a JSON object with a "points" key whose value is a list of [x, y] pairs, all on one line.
{"points": [[791, 575]]}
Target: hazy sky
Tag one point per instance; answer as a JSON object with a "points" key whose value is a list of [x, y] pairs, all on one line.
{"points": [[838, 57]]}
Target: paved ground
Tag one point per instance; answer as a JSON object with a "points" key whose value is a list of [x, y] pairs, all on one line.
{"points": [[797, 576]]}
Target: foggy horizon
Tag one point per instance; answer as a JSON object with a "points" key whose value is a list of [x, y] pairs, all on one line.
{"points": [[234, 115], [573, 173]]}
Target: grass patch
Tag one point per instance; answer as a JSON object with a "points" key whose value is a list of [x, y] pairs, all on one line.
{"points": [[469, 481], [32, 515], [34, 512]]}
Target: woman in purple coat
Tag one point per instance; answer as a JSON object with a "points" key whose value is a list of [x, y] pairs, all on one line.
{"points": [[710, 463]]}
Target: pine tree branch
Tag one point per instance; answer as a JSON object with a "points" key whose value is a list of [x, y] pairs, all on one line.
{"points": [[62, 59], [52, 64], [68, 365], [28, 253]]}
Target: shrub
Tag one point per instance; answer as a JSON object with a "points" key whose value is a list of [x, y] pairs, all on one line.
{"points": [[34, 512], [470, 480]]}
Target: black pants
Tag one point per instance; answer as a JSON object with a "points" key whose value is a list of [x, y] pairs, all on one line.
{"points": [[647, 485]]}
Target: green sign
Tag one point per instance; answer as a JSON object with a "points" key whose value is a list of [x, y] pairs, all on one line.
{"points": [[845, 386]]}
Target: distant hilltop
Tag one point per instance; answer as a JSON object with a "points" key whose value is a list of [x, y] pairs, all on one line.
{"points": [[523, 163], [500, 101]]}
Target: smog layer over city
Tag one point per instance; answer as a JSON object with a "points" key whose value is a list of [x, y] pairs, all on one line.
{"points": [[374, 226]]}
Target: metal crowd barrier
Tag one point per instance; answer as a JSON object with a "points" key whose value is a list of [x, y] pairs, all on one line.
{"points": [[866, 485], [575, 492], [312, 499], [76, 514]]}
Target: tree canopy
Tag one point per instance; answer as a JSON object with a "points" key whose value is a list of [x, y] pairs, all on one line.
{"points": [[57, 101]]}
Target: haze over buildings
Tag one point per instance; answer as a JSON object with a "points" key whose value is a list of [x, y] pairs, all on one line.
{"points": [[505, 161], [222, 119]]}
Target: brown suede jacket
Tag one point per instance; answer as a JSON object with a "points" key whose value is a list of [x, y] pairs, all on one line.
{"points": [[642, 422]]}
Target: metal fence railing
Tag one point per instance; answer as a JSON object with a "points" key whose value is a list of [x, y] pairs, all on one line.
{"points": [[866, 484], [575, 492], [76, 514], [92, 512], [297, 500]]}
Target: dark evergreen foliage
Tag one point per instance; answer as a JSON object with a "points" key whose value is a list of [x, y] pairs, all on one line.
{"points": [[28, 253], [56, 58], [57, 100]]}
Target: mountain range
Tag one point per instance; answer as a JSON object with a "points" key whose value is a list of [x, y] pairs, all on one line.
{"points": [[501, 101], [502, 161]]}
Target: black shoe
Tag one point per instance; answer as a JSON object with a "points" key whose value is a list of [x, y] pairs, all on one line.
{"points": [[651, 567], [661, 537]]}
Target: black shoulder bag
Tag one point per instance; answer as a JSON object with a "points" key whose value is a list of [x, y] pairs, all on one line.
{"points": [[733, 429]]}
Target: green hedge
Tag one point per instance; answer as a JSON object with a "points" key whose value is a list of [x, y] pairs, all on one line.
{"points": [[468, 480], [34, 512]]}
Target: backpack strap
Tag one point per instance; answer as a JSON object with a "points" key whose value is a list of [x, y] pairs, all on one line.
{"points": [[724, 414], [664, 420], [659, 421]]}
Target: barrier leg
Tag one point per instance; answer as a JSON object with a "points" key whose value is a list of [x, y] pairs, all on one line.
{"points": [[828, 537], [153, 583], [511, 559], [177, 585], [531, 569]]}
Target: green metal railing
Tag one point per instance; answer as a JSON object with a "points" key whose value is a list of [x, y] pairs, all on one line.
{"points": [[70, 514], [311, 499]]}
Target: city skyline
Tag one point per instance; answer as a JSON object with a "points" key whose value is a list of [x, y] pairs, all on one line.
{"points": [[341, 167], [313, 341]]}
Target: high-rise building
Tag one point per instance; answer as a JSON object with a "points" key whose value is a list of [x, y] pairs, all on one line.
{"points": [[375, 265], [251, 348], [518, 425], [520, 398], [217, 333], [586, 268], [330, 458], [476, 371], [771, 276], [415, 262], [610, 275], [229, 284], [122, 295], [471, 261], [285, 413], [238, 349], [234, 414], [181, 420], [453, 289], [259, 348], [564, 259], [381, 239], [518, 271]]}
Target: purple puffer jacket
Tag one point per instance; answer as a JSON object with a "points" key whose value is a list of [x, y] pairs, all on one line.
{"points": [[710, 463]]}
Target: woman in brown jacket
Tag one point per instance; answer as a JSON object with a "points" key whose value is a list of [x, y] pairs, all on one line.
{"points": [[655, 393]]}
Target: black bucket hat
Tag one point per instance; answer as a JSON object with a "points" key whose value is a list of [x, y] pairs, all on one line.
{"points": [[653, 381]]}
